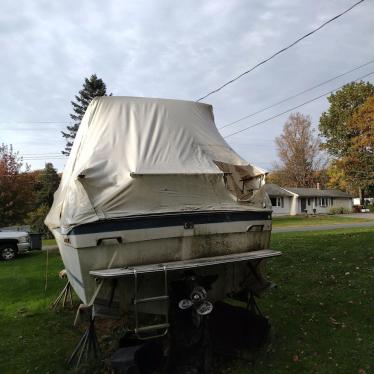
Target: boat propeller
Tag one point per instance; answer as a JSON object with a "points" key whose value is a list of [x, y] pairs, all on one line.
{"points": [[198, 300]]}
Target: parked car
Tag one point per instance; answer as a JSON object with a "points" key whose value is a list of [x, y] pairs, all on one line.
{"points": [[361, 209], [12, 243]]}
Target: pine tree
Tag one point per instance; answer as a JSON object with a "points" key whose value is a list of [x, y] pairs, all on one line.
{"points": [[92, 87], [47, 184]]}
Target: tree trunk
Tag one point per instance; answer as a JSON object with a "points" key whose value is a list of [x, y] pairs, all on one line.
{"points": [[361, 196]]}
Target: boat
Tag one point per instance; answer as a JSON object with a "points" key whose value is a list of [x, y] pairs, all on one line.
{"points": [[151, 187]]}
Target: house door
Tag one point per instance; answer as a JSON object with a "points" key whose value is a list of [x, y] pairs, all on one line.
{"points": [[303, 205]]}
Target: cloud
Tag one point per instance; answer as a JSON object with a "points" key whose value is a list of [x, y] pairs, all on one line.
{"points": [[172, 49]]}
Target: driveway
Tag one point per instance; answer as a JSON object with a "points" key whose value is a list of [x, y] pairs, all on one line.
{"points": [[302, 228], [50, 247], [332, 226], [360, 215]]}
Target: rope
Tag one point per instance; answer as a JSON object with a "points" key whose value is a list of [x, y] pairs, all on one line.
{"points": [[46, 271]]}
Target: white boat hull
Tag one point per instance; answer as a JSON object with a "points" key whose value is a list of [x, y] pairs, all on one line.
{"points": [[83, 251]]}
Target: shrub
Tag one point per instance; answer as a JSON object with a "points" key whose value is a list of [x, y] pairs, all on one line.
{"points": [[36, 220], [339, 210]]}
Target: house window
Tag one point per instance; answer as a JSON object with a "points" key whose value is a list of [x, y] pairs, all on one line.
{"points": [[332, 201], [277, 201], [309, 201], [323, 201]]}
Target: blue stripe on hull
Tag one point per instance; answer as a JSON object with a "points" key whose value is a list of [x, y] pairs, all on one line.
{"points": [[147, 221]]}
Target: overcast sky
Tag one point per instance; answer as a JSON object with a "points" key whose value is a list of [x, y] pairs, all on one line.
{"points": [[173, 49]]}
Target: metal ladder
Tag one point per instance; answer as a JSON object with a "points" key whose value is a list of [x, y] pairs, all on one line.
{"points": [[160, 329]]}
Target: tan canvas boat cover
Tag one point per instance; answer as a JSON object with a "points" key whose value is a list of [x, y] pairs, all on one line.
{"points": [[139, 155]]}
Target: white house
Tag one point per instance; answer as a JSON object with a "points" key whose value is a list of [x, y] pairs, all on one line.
{"points": [[281, 200], [367, 201], [294, 200]]}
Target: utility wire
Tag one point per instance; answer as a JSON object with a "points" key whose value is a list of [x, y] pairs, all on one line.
{"points": [[295, 95], [36, 122], [40, 154], [232, 80], [22, 174], [280, 51], [293, 108], [42, 159]]}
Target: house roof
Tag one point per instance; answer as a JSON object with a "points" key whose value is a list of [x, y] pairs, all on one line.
{"points": [[275, 190], [315, 192]]}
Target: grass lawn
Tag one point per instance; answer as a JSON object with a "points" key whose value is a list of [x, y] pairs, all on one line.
{"points": [[321, 312], [49, 242], [290, 221], [33, 338]]}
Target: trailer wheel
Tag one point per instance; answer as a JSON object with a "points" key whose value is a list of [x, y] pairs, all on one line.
{"points": [[8, 252]]}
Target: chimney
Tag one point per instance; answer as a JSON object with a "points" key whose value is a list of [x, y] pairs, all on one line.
{"points": [[318, 186]]}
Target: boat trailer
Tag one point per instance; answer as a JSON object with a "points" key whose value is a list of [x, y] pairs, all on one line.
{"points": [[190, 296]]}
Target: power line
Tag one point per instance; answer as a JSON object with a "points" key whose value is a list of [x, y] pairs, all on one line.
{"points": [[46, 156], [293, 108], [235, 78], [35, 122], [295, 95], [41, 158], [280, 51], [42, 154]]}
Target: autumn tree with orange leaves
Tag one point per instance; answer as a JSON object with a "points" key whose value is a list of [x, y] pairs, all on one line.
{"points": [[16, 187], [301, 162], [347, 131], [358, 163]]}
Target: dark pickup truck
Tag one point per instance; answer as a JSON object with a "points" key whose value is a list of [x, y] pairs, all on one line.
{"points": [[12, 243]]}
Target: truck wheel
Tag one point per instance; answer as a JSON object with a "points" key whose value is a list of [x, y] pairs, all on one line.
{"points": [[7, 252]]}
